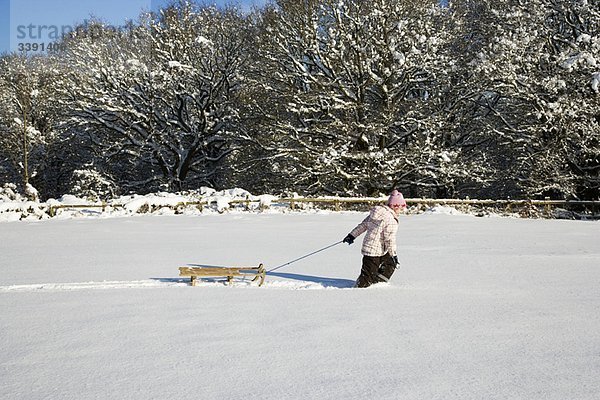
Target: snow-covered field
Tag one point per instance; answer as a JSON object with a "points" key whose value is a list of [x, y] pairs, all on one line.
{"points": [[482, 308]]}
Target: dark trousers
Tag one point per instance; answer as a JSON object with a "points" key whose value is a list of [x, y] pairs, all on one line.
{"points": [[375, 269]]}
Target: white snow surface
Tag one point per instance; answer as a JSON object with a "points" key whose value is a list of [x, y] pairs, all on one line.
{"points": [[481, 308]]}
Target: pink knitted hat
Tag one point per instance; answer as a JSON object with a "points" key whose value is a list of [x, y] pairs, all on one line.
{"points": [[396, 198]]}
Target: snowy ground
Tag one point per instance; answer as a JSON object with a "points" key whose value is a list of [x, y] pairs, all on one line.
{"points": [[482, 308]]}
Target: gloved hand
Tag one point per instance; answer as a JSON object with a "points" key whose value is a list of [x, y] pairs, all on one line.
{"points": [[348, 239]]}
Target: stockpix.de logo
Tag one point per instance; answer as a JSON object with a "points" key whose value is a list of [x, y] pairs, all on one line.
{"points": [[41, 26]]}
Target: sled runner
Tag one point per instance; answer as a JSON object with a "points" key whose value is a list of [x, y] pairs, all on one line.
{"points": [[258, 273]]}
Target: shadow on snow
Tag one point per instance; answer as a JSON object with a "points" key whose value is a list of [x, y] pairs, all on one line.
{"points": [[323, 281]]}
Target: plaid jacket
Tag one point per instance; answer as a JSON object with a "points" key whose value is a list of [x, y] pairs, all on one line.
{"points": [[381, 226]]}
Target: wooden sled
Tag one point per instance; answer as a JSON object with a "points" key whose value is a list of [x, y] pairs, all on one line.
{"points": [[194, 273]]}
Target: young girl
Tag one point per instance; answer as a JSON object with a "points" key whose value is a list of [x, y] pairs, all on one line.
{"points": [[379, 245]]}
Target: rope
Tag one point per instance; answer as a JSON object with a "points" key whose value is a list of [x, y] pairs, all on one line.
{"points": [[303, 257]]}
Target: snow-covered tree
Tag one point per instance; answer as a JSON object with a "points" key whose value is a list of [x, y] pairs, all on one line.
{"points": [[486, 98], [26, 116], [89, 183], [574, 85], [513, 97], [156, 100], [345, 89]]}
